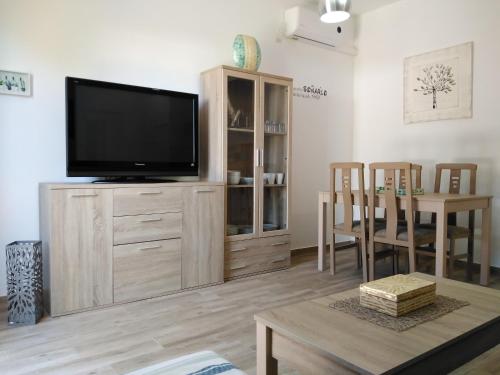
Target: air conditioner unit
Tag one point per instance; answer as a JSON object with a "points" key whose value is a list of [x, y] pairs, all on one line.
{"points": [[304, 24]]}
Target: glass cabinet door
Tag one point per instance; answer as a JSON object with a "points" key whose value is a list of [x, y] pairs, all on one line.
{"points": [[275, 123], [241, 116]]}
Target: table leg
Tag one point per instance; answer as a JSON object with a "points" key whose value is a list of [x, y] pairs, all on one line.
{"points": [[322, 211], [266, 364], [486, 245], [441, 241]]}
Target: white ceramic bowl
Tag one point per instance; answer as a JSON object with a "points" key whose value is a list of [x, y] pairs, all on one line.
{"points": [[246, 180]]}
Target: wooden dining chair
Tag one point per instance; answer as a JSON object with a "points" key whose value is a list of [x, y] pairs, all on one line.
{"points": [[456, 232], [396, 234], [350, 227]]}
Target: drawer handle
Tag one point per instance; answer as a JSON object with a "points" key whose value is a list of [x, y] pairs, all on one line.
{"points": [[150, 248], [242, 249], [150, 220], [280, 244], [279, 260], [84, 195], [238, 267], [149, 192], [205, 191]]}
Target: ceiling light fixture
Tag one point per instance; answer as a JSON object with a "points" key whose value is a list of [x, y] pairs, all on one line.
{"points": [[334, 11]]}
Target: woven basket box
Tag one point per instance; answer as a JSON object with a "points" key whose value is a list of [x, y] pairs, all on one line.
{"points": [[397, 295]]}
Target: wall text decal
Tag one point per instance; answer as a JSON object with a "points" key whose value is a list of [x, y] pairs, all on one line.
{"points": [[310, 92]]}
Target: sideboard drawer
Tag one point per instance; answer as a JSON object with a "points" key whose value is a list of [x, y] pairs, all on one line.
{"points": [[256, 247], [260, 263], [238, 249], [258, 255], [146, 270], [141, 228], [137, 201]]}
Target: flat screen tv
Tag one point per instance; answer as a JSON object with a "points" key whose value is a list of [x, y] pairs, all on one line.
{"points": [[116, 130]]}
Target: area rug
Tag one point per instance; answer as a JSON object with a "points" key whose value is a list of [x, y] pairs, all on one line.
{"points": [[200, 363], [443, 305]]}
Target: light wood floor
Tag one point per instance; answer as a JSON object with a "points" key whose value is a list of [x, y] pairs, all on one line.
{"points": [[220, 318]]}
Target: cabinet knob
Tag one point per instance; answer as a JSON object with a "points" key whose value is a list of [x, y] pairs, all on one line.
{"points": [[150, 220], [280, 244], [150, 248], [239, 267], [279, 260], [241, 249], [209, 190], [84, 195]]}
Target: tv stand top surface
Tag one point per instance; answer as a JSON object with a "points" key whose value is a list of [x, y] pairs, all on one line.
{"points": [[114, 185], [133, 180]]}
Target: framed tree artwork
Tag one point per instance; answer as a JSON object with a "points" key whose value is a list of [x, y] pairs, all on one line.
{"points": [[438, 85]]}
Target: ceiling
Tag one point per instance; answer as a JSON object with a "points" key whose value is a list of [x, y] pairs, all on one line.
{"points": [[362, 6]]}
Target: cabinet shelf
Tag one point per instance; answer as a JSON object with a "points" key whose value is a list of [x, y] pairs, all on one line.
{"points": [[240, 130], [274, 185], [281, 134], [239, 186]]}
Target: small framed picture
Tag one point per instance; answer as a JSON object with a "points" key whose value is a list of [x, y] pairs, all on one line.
{"points": [[15, 83]]}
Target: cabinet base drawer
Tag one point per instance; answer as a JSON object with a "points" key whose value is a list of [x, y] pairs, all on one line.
{"points": [[258, 255], [142, 228], [147, 200], [146, 270]]}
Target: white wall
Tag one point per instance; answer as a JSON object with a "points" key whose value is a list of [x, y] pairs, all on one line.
{"points": [[155, 43], [409, 27]]}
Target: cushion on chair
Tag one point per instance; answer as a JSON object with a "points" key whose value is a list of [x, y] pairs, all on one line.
{"points": [[356, 225], [454, 231], [422, 235]]}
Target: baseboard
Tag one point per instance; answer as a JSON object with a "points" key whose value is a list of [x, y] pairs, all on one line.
{"points": [[310, 249], [315, 247]]}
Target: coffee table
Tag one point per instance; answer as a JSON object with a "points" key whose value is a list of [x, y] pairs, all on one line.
{"points": [[316, 339]]}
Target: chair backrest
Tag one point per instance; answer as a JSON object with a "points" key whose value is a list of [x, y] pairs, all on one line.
{"points": [[392, 205], [456, 177], [346, 170], [454, 184], [416, 170]]}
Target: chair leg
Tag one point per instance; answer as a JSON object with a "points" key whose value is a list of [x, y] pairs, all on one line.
{"points": [[470, 256], [332, 254], [371, 260], [364, 260], [358, 252], [451, 257], [412, 258], [395, 262]]}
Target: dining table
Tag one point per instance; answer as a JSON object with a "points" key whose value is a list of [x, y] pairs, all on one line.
{"points": [[441, 204]]}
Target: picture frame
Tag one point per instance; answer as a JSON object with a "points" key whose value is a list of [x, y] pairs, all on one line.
{"points": [[15, 83], [438, 85]]}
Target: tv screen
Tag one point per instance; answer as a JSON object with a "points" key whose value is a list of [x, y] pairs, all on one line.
{"points": [[121, 130]]}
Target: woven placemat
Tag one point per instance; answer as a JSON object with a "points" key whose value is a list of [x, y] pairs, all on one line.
{"points": [[443, 305]]}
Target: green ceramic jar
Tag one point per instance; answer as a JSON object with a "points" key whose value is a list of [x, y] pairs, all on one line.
{"points": [[246, 52]]}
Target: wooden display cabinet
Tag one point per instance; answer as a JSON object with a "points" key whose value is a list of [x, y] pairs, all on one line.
{"points": [[246, 128]]}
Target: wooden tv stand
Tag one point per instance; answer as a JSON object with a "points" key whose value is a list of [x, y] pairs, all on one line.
{"points": [[111, 243]]}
